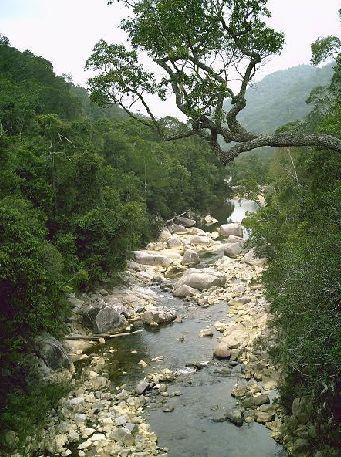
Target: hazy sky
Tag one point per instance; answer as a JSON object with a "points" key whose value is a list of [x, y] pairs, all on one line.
{"points": [[65, 31]]}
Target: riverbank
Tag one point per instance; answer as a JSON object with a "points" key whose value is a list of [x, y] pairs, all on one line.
{"points": [[219, 314]]}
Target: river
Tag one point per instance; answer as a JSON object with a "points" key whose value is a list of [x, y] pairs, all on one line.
{"points": [[99, 416], [188, 430]]}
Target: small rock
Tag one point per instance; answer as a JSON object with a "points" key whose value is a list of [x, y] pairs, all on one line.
{"points": [[235, 416], [168, 409], [206, 332], [142, 386], [221, 351]]}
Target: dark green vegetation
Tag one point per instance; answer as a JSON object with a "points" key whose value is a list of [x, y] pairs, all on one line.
{"points": [[299, 232], [80, 187]]}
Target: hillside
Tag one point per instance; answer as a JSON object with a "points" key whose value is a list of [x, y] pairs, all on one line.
{"points": [[281, 97]]}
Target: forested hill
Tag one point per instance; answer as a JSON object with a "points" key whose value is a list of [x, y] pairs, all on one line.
{"points": [[80, 187], [281, 97]]}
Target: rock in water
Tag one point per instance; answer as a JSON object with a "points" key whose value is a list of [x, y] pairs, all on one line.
{"points": [[184, 291], [235, 416], [159, 315], [142, 386], [221, 351], [231, 229]]}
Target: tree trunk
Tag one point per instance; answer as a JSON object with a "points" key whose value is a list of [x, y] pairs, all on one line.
{"points": [[284, 140]]}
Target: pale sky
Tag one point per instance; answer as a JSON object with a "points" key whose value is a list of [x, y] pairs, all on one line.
{"points": [[65, 31]]}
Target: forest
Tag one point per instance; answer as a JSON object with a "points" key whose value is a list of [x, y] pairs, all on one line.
{"points": [[80, 187]]}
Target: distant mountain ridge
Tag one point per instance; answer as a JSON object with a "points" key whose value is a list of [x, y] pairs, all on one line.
{"points": [[280, 97]]}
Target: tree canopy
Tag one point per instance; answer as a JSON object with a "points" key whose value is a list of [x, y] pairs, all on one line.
{"points": [[203, 49]]}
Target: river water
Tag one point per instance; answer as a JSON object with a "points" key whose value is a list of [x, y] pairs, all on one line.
{"points": [[187, 430]]}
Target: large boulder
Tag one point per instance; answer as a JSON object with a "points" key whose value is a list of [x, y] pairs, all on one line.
{"points": [[174, 242], [152, 259], [108, 319], [209, 220], [200, 239], [221, 351], [51, 352], [231, 229], [159, 315], [185, 221], [190, 258], [176, 228], [165, 235], [201, 279], [233, 249], [184, 291], [235, 239]]}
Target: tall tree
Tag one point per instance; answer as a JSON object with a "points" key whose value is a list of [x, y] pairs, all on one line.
{"points": [[200, 48]]}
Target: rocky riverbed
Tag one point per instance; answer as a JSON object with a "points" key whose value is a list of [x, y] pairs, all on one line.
{"points": [[189, 374]]}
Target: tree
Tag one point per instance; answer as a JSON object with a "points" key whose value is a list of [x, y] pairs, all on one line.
{"points": [[200, 48]]}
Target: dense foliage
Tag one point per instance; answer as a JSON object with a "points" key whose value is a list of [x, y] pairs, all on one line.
{"points": [[80, 187], [299, 232]]}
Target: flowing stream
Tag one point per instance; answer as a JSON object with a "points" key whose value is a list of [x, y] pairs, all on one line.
{"points": [[183, 420]]}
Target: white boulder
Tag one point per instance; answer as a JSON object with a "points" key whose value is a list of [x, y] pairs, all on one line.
{"points": [[201, 279], [151, 258], [200, 239], [231, 229]]}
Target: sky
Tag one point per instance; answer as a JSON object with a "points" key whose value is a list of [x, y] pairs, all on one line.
{"points": [[65, 31]]}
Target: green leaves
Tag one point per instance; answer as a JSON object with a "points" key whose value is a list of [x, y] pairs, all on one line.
{"points": [[199, 47], [121, 75], [299, 231], [324, 48]]}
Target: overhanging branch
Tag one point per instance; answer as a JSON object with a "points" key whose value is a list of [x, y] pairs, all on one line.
{"points": [[284, 140]]}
